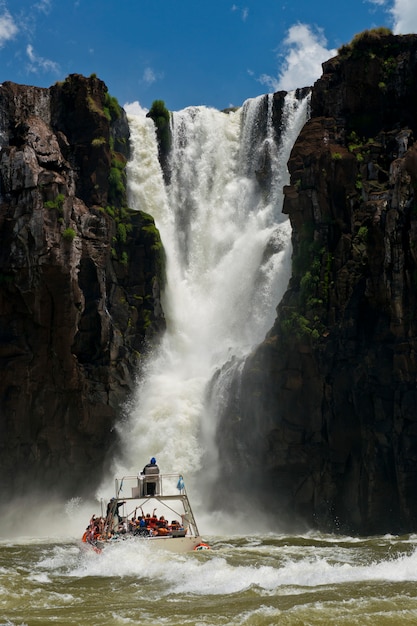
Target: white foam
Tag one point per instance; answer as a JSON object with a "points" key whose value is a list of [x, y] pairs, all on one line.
{"points": [[216, 573]]}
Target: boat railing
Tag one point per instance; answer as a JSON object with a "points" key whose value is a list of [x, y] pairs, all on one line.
{"points": [[145, 485]]}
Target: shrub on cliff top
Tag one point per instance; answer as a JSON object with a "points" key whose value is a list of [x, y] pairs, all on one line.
{"points": [[159, 113], [365, 39], [371, 35], [161, 118]]}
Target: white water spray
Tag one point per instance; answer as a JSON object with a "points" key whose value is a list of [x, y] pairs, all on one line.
{"points": [[228, 250]]}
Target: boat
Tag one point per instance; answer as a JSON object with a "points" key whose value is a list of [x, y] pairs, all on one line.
{"points": [[131, 515]]}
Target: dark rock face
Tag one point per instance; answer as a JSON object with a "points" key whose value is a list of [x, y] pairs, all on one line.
{"points": [[325, 413], [79, 284]]}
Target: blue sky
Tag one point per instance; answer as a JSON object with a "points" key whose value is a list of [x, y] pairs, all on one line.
{"points": [[212, 52]]}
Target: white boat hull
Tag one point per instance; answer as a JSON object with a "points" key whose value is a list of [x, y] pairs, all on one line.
{"points": [[177, 544]]}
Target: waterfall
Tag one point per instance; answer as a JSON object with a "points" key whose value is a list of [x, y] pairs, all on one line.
{"points": [[228, 258]]}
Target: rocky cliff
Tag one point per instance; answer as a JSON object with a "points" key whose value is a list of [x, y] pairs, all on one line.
{"points": [[80, 275], [323, 420]]}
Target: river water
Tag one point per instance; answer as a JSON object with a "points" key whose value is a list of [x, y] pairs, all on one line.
{"points": [[244, 580]]}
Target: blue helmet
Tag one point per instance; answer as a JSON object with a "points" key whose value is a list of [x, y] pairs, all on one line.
{"points": [[153, 461]]}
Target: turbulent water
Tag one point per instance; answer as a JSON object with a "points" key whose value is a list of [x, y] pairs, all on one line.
{"points": [[251, 580], [228, 250]]}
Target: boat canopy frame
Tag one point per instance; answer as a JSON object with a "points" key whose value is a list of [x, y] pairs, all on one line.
{"points": [[169, 488]]}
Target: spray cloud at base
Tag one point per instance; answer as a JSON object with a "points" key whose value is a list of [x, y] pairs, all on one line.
{"points": [[228, 249]]}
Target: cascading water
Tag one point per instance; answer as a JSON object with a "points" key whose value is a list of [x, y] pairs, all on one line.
{"points": [[228, 247]]}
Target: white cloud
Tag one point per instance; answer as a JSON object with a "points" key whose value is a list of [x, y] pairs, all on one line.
{"points": [[244, 11], [305, 51], [8, 28], [404, 14], [149, 76], [38, 63], [43, 5]]}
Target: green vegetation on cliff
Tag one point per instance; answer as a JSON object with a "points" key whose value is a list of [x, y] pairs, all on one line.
{"points": [[161, 118], [56, 204], [117, 195], [367, 41], [112, 109], [312, 271]]}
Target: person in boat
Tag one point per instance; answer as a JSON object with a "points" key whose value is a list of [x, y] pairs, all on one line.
{"points": [[151, 474], [100, 525], [162, 526], [151, 523], [141, 528], [176, 529], [93, 531], [113, 510]]}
